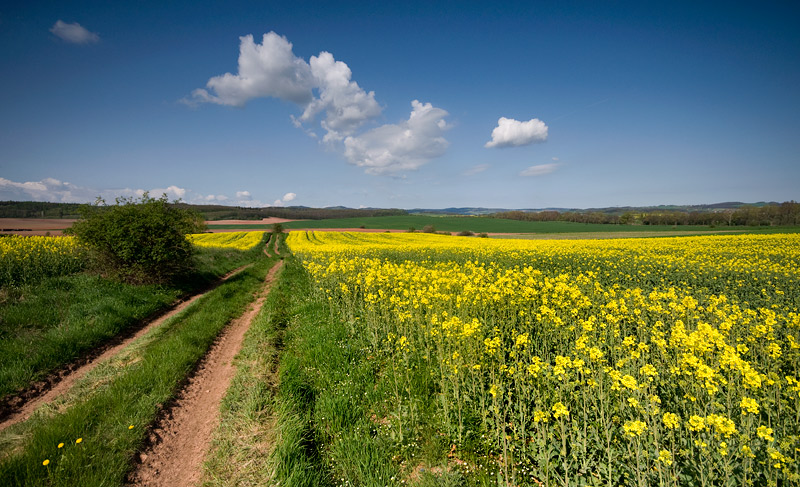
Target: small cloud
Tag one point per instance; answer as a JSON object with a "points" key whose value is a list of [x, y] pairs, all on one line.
{"points": [[513, 133], [172, 192], [555, 159], [286, 198], [476, 170], [539, 170], [73, 33], [404, 146], [243, 195]]}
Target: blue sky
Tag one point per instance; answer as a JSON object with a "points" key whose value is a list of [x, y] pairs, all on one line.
{"points": [[409, 105]]}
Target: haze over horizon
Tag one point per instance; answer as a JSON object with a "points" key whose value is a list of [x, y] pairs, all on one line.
{"points": [[412, 105]]}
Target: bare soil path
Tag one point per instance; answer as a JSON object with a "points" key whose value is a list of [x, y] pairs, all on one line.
{"points": [[181, 440], [20, 408]]}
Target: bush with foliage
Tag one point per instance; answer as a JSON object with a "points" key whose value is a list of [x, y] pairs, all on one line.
{"points": [[139, 240]]}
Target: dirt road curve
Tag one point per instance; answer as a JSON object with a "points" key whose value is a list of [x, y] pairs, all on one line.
{"points": [[179, 443]]}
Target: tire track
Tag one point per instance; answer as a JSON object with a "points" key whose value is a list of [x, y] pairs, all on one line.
{"points": [[20, 407], [179, 442]]}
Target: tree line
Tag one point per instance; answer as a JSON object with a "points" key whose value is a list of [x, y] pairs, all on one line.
{"points": [[786, 213], [37, 209]]}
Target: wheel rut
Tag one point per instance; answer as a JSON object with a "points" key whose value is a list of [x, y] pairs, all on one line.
{"points": [[179, 442], [20, 407]]}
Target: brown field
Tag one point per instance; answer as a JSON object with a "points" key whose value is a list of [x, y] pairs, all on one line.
{"points": [[263, 221], [34, 226]]}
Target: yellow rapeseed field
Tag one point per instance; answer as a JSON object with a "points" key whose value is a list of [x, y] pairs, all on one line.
{"points": [[26, 259], [228, 240], [669, 361]]}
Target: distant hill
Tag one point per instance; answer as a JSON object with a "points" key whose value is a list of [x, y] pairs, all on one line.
{"points": [[611, 210]]}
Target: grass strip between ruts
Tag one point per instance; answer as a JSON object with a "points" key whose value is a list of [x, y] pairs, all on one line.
{"points": [[103, 421]]}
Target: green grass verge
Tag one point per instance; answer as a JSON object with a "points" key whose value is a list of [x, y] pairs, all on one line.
{"points": [[490, 225], [133, 397], [57, 320]]}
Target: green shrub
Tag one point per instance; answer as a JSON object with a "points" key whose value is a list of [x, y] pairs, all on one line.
{"points": [[140, 240]]}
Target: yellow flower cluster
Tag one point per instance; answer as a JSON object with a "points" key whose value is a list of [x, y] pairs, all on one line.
{"points": [[227, 240], [668, 345]]}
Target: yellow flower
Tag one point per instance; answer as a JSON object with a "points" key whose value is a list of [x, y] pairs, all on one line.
{"points": [[493, 390], [665, 457], [765, 433], [540, 416], [649, 371], [721, 424], [560, 410], [696, 423], [629, 382], [130, 427], [634, 428], [61, 445], [671, 420], [749, 405], [46, 462], [78, 440]]}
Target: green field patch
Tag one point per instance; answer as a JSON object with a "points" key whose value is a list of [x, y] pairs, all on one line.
{"points": [[479, 224]]}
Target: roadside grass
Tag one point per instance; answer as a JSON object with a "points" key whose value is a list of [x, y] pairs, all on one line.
{"points": [[56, 321], [112, 416], [480, 224]]}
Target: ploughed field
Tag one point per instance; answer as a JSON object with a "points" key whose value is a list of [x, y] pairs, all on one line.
{"points": [[670, 361]]}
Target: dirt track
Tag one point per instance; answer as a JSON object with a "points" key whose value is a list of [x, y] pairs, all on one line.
{"points": [[179, 443], [61, 382]]}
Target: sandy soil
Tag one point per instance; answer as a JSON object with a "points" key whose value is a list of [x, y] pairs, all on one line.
{"points": [[179, 443], [20, 407]]}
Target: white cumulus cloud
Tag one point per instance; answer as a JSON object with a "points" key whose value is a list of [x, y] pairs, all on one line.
{"points": [[539, 170], [325, 91], [73, 33], [243, 195], [405, 146], [269, 69], [513, 133], [345, 104]]}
